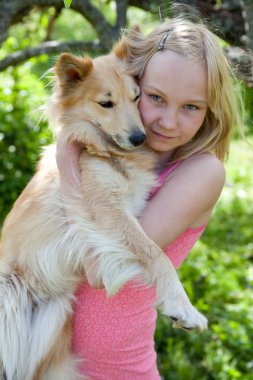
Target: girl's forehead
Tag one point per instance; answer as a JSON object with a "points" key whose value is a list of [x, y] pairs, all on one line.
{"points": [[169, 58], [168, 63], [171, 72]]}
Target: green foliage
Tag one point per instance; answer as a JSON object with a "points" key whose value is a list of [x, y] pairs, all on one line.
{"points": [[64, 30], [249, 108], [67, 3], [21, 135], [218, 276]]}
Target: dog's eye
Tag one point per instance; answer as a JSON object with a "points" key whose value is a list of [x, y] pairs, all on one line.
{"points": [[108, 104], [137, 97]]}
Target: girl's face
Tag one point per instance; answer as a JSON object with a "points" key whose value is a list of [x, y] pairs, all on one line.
{"points": [[173, 102]]}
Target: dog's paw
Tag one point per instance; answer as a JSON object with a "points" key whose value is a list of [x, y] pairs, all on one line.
{"points": [[185, 316], [194, 321]]}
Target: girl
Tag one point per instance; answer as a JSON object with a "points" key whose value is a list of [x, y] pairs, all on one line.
{"points": [[188, 107]]}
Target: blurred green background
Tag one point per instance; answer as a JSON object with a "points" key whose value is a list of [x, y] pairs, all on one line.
{"points": [[218, 275]]}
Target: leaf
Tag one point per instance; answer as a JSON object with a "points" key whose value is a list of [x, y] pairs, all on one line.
{"points": [[67, 3]]}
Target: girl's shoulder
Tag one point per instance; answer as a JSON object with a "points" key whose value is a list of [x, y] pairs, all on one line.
{"points": [[202, 178], [184, 200], [203, 166]]}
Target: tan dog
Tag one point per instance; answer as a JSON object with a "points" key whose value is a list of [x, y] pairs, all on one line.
{"points": [[44, 255]]}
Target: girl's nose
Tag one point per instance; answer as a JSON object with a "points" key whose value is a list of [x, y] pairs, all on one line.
{"points": [[169, 119]]}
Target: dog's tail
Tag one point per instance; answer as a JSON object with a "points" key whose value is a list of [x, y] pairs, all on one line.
{"points": [[29, 326], [15, 321], [48, 323]]}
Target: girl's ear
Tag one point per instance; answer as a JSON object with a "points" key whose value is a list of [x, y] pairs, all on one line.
{"points": [[70, 69]]}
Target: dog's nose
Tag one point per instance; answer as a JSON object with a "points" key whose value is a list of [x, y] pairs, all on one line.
{"points": [[137, 138]]}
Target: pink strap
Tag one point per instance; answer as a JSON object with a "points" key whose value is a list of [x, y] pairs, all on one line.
{"points": [[162, 177]]}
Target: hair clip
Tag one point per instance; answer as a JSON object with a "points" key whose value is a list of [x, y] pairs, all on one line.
{"points": [[163, 39]]}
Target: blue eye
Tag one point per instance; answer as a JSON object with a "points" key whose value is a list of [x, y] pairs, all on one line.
{"points": [[190, 107], [156, 98]]}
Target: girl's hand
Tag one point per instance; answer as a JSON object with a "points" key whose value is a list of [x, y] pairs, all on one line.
{"points": [[67, 159]]}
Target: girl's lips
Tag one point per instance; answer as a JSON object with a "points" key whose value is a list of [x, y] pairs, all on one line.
{"points": [[162, 137]]}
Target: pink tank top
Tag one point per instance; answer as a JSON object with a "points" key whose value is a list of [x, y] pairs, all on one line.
{"points": [[114, 337]]}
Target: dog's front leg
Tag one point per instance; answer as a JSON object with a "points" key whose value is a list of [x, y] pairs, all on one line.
{"points": [[171, 295]]}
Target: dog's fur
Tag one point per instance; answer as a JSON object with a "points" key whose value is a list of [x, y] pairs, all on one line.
{"points": [[44, 255]]}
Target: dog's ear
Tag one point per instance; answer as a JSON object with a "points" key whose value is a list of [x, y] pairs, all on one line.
{"points": [[70, 69], [135, 29], [120, 49]]}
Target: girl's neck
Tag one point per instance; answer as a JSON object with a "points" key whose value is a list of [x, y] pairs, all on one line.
{"points": [[163, 159]]}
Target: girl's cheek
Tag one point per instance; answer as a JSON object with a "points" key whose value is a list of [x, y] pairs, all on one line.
{"points": [[143, 110]]}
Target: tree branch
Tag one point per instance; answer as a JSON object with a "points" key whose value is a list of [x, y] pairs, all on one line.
{"points": [[105, 31], [242, 60], [51, 23], [121, 13], [12, 11], [49, 47]]}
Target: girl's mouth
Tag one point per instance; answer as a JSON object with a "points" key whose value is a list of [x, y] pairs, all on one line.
{"points": [[161, 137]]}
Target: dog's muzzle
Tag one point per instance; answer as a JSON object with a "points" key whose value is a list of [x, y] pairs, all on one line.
{"points": [[137, 138]]}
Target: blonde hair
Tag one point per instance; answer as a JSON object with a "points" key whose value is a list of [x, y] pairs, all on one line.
{"points": [[196, 42]]}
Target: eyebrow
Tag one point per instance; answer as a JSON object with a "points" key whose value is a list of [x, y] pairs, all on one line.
{"points": [[151, 87], [197, 101]]}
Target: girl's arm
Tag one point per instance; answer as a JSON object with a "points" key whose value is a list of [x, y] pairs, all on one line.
{"points": [[185, 200]]}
